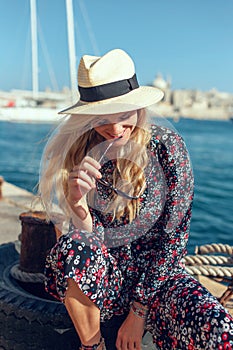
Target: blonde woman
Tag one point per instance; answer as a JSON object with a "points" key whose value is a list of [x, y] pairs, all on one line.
{"points": [[126, 188]]}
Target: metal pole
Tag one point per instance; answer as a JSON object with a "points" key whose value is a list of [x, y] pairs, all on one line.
{"points": [[35, 84], [71, 46]]}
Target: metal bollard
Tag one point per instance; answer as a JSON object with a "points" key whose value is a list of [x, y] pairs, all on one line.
{"points": [[37, 238]]}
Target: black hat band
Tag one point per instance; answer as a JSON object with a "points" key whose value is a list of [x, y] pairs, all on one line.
{"points": [[109, 90]]}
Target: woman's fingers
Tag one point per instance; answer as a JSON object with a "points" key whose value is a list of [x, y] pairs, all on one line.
{"points": [[128, 345], [89, 166], [83, 178], [86, 181], [88, 163]]}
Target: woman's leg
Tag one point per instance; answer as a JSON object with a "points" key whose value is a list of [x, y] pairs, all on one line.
{"points": [[184, 315], [78, 257], [84, 313]]}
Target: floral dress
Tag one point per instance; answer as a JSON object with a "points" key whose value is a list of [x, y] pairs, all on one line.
{"points": [[119, 262]]}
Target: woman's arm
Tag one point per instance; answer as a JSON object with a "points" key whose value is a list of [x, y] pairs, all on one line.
{"points": [[169, 235]]}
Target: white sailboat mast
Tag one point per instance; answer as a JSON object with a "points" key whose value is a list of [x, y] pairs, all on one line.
{"points": [[71, 44], [35, 85]]}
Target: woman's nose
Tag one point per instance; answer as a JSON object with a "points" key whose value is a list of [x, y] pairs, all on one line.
{"points": [[116, 128]]}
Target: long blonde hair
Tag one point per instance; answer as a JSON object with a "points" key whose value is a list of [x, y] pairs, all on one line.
{"points": [[69, 144]]}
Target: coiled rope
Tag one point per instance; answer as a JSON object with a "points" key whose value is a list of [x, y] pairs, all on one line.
{"points": [[215, 266], [214, 248], [27, 277]]}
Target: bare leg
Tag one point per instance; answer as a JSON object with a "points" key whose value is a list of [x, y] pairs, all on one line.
{"points": [[84, 313]]}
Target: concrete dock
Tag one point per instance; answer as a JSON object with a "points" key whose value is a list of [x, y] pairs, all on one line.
{"points": [[14, 201]]}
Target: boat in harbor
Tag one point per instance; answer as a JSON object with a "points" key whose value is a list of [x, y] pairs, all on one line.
{"points": [[41, 106], [29, 114], [21, 106]]}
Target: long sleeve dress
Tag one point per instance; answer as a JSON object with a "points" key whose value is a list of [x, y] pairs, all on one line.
{"points": [[119, 262]]}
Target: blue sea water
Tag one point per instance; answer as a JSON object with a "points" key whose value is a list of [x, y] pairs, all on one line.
{"points": [[210, 144]]}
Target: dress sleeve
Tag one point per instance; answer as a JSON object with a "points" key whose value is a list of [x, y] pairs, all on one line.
{"points": [[162, 253]]}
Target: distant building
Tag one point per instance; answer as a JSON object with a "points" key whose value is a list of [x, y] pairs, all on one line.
{"points": [[164, 85], [193, 103]]}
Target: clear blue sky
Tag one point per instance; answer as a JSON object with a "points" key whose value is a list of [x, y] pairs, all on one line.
{"points": [[189, 40]]}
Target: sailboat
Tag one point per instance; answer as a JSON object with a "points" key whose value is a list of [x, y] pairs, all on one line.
{"points": [[30, 105]]}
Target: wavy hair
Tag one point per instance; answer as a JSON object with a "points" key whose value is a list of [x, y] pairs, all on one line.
{"points": [[70, 143]]}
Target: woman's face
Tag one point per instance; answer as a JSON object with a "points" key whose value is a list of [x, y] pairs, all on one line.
{"points": [[112, 126]]}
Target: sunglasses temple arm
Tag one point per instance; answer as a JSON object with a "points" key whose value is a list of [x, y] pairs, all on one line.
{"points": [[109, 146], [123, 194], [101, 158]]}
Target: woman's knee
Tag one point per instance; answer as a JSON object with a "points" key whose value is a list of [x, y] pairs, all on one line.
{"points": [[74, 293]]}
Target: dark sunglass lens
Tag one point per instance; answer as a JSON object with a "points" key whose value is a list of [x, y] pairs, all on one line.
{"points": [[104, 183]]}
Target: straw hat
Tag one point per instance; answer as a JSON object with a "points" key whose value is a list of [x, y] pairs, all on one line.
{"points": [[108, 84]]}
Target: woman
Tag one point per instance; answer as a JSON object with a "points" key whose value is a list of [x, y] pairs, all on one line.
{"points": [[126, 188]]}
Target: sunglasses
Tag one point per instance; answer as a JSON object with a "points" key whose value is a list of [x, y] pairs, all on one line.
{"points": [[110, 186]]}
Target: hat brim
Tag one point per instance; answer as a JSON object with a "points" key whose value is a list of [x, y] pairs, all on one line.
{"points": [[141, 97]]}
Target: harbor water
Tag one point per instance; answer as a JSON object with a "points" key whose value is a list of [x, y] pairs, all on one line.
{"points": [[210, 144]]}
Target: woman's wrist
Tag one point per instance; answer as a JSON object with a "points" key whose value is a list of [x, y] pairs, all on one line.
{"points": [[74, 201], [79, 206], [80, 214], [139, 310]]}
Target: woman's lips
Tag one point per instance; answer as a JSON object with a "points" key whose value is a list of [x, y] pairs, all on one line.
{"points": [[113, 136]]}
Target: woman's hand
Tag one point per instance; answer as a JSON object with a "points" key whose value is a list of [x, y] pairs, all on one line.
{"points": [[130, 333], [82, 179]]}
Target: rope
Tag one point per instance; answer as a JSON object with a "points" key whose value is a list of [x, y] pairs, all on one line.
{"points": [[201, 264], [27, 277], [214, 248], [194, 263], [208, 260], [214, 271]]}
